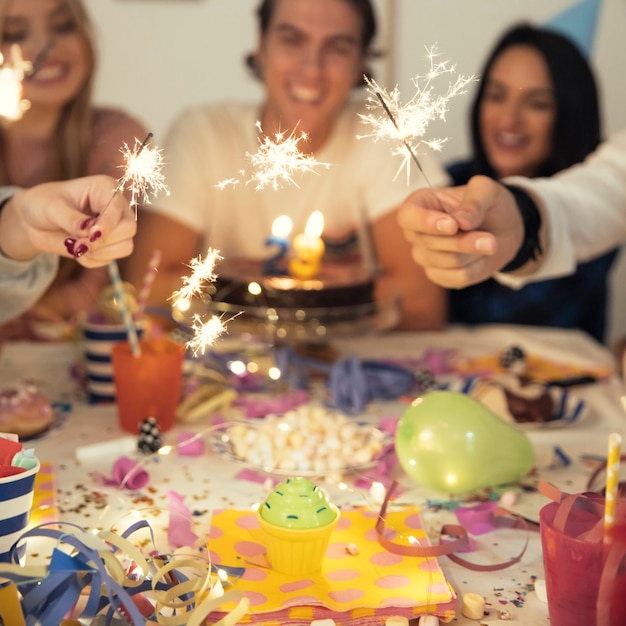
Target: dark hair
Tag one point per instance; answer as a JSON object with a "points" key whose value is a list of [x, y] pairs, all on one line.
{"points": [[577, 126], [265, 12]]}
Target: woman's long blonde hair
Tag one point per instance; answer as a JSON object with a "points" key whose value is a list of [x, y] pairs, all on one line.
{"points": [[73, 132]]}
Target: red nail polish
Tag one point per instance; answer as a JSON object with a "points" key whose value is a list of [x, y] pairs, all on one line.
{"points": [[69, 244], [95, 236], [80, 250], [87, 223]]}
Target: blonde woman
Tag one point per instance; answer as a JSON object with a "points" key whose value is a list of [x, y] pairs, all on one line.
{"points": [[62, 135]]}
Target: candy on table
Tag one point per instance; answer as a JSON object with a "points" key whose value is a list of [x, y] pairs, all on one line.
{"points": [[473, 606], [149, 436], [304, 439], [426, 380], [513, 359]]}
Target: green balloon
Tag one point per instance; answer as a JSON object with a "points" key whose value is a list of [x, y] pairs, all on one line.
{"points": [[451, 442]]}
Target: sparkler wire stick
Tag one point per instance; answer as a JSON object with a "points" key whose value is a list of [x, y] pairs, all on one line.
{"points": [[40, 58], [404, 141]]}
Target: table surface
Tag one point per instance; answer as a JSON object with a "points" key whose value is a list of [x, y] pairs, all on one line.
{"points": [[209, 482]]}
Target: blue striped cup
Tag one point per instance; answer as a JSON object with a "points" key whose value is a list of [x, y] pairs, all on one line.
{"points": [[16, 501], [99, 337]]}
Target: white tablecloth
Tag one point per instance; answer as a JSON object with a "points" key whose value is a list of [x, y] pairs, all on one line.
{"points": [[209, 482]]}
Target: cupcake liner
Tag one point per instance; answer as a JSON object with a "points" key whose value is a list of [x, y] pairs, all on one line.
{"points": [[296, 551]]}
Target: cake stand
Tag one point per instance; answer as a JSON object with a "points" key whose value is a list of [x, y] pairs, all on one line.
{"points": [[299, 325]]}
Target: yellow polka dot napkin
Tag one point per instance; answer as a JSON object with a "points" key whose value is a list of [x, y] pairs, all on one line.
{"points": [[356, 587]]}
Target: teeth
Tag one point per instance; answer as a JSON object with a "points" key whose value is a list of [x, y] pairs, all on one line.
{"points": [[305, 94], [510, 139], [49, 72]]}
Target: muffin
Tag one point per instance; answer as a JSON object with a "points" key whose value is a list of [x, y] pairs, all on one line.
{"points": [[297, 520]]}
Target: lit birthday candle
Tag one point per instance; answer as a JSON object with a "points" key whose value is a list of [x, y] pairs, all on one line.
{"points": [[280, 238], [308, 248]]}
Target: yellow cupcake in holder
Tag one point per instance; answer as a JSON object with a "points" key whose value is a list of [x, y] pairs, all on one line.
{"points": [[297, 521]]}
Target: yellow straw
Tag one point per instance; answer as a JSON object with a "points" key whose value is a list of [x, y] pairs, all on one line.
{"points": [[612, 482]]}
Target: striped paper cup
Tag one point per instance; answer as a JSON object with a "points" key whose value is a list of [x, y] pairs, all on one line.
{"points": [[99, 338], [16, 501]]}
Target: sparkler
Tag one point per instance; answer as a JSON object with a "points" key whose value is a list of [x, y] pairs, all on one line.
{"points": [[12, 104], [277, 160], [202, 273], [408, 123], [142, 174], [205, 333]]}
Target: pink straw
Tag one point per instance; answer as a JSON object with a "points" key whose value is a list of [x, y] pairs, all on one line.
{"points": [[148, 282]]}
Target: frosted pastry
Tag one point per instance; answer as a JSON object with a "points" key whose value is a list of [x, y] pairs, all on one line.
{"points": [[298, 503], [24, 411], [297, 521]]}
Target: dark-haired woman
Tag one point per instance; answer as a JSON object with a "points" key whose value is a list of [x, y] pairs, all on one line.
{"points": [[536, 112]]}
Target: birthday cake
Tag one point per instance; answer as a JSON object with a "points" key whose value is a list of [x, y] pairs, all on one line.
{"points": [[241, 282]]}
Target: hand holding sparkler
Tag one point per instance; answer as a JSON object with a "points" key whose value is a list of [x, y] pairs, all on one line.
{"points": [[408, 123]]}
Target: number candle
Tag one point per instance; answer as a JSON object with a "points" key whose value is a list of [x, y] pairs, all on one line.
{"points": [[309, 249], [280, 233]]}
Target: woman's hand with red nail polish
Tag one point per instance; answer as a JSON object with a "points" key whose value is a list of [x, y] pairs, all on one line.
{"points": [[62, 218]]}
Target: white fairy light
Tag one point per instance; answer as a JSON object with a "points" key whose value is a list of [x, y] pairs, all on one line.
{"points": [[406, 124], [277, 160]]}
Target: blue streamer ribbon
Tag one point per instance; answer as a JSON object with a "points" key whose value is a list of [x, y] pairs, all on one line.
{"points": [[352, 382]]}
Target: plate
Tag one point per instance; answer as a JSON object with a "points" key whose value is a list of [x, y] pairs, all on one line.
{"points": [[305, 324], [567, 407], [254, 444]]}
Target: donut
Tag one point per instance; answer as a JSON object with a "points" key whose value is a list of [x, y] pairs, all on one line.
{"points": [[24, 411]]}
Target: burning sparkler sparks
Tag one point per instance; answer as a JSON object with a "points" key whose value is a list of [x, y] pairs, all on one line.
{"points": [[407, 124], [143, 174], [12, 104], [205, 333], [202, 274], [277, 160]]}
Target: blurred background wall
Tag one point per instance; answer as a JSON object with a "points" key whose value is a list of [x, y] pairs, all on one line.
{"points": [[158, 57]]}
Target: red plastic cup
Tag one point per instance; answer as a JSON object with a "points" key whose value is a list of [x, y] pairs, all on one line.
{"points": [[574, 568], [148, 385]]}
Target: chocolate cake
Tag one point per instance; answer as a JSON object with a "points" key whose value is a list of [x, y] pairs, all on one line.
{"points": [[517, 399], [335, 286]]}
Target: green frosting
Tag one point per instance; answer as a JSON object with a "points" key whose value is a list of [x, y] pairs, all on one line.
{"points": [[298, 503]]}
